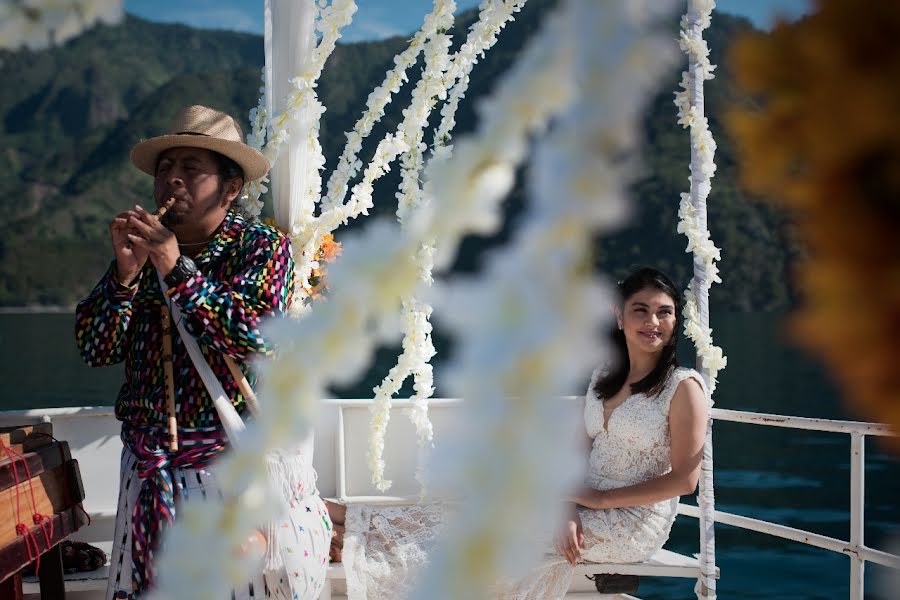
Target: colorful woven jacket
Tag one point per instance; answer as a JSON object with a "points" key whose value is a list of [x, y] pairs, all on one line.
{"points": [[247, 274]]}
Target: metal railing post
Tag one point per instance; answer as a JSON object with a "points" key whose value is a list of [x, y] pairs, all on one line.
{"points": [[857, 513], [341, 457]]}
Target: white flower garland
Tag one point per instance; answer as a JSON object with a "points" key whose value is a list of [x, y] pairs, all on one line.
{"points": [[492, 18], [302, 101], [692, 223], [417, 345], [441, 73], [440, 18]]}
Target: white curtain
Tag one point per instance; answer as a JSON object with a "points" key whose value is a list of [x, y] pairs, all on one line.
{"points": [[290, 41]]}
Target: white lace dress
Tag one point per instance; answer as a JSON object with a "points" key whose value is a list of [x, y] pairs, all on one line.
{"points": [[633, 448], [386, 547]]}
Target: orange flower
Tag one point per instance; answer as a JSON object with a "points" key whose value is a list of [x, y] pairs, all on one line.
{"points": [[825, 143], [327, 252]]}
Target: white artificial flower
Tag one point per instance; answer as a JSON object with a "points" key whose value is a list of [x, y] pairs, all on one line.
{"points": [[703, 147]]}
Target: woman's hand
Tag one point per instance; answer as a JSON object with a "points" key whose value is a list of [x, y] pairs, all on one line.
{"points": [[150, 236], [571, 540]]}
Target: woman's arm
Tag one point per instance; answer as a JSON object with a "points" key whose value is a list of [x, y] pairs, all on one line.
{"points": [[687, 431]]}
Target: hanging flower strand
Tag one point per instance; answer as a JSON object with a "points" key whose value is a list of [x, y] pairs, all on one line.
{"points": [[417, 343], [334, 214], [493, 15], [693, 220], [417, 346], [440, 18], [307, 234]]}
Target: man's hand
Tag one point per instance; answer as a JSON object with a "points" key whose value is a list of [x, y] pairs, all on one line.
{"points": [[130, 259], [151, 237], [571, 540]]}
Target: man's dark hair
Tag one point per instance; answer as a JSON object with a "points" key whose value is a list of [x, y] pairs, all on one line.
{"points": [[228, 169]]}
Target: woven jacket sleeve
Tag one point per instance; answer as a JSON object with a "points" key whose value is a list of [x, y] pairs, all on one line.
{"points": [[101, 321], [227, 315]]}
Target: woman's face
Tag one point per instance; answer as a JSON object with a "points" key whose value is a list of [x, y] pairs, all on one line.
{"points": [[648, 320]]}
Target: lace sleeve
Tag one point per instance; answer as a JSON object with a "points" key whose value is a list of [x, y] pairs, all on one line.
{"points": [[593, 408], [600, 372], [675, 379]]}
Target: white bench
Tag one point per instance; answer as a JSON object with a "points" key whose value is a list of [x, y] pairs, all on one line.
{"points": [[340, 458]]}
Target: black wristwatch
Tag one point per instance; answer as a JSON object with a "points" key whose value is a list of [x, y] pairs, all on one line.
{"points": [[185, 268]]}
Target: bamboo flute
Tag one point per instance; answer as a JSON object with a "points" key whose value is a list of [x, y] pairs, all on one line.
{"points": [[169, 378], [243, 385], [159, 213]]}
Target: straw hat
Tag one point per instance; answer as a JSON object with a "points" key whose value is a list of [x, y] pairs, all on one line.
{"points": [[202, 127]]}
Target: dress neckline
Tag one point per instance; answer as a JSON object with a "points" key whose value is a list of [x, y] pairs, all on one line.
{"points": [[606, 419]]}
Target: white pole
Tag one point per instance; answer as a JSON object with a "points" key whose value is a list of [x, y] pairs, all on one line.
{"points": [[857, 512], [292, 45], [706, 583]]}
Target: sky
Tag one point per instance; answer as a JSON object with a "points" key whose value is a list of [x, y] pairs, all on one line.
{"points": [[378, 19]]}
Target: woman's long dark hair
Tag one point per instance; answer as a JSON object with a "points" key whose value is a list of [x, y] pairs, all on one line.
{"points": [[651, 385]]}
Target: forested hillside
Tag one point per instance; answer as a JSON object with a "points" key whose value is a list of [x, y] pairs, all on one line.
{"points": [[69, 115]]}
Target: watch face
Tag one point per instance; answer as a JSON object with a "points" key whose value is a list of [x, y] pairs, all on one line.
{"points": [[186, 264], [184, 269]]}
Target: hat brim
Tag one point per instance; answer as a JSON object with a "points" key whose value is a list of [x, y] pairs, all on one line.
{"points": [[145, 154]]}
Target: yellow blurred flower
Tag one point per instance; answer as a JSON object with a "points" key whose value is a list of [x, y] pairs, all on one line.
{"points": [[822, 137]]}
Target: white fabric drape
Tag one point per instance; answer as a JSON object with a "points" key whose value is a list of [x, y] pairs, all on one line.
{"points": [[289, 52]]}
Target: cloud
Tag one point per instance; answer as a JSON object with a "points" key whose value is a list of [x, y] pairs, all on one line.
{"points": [[369, 28], [233, 19]]}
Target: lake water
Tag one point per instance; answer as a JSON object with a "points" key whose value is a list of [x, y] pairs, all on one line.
{"points": [[796, 478]]}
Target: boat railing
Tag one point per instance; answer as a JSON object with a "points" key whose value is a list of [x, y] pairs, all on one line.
{"points": [[855, 547], [348, 479]]}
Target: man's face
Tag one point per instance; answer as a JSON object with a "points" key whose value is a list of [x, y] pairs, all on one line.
{"points": [[191, 175]]}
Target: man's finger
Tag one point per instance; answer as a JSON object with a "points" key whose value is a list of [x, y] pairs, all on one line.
{"points": [[145, 215], [142, 227], [136, 240]]}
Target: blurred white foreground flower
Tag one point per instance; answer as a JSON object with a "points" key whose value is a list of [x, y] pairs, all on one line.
{"points": [[526, 329], [37, 24], [590, 70]]}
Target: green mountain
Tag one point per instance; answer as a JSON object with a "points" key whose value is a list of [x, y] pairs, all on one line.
{"points": [[69, 115]]}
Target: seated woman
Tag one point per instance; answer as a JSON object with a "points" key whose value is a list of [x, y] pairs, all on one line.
{"points": [[645, 423]]}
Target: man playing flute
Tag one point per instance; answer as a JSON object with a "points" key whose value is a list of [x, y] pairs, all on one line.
{"points": [[225, 273]]}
